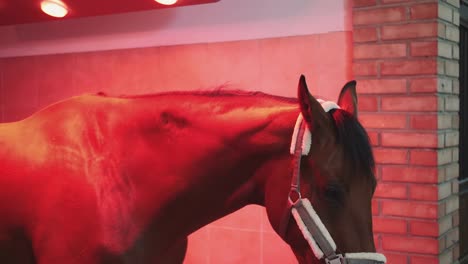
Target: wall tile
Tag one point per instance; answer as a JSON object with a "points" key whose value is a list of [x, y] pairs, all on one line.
{"points": [[19, 82], [333, 64], [118, 72], [284, 60], [275, 250], [198, 249], [324, 59], [235, 64], [207, 66], [55, 78], [230, 246], [17, 112], [182, 67]]}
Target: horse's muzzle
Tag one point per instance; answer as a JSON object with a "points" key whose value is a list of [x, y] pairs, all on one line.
{"points": [[320, 240]]}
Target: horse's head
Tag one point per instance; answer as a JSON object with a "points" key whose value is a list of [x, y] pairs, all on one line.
{"points": [[336, 176]]}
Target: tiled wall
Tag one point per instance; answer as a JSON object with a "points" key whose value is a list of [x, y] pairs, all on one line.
{"points": [[269, 65]]}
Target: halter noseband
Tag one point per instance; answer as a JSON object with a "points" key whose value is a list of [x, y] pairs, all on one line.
{"points": [[308, 221]]}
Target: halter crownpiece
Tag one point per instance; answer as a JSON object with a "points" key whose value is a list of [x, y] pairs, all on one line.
{"points": [[307, 138], [311, 226]]}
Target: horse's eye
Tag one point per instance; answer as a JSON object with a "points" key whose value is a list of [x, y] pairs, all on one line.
{"points": [[334, 193]]}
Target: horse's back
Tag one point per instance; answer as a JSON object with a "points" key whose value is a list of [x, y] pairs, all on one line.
{"points": [[63, 189], [46, 203]]}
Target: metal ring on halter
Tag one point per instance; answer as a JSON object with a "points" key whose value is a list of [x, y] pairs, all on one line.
{"points": [[294, 192]]}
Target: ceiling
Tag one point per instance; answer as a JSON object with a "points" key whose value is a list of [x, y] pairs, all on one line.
{"points": [[28, 11]]}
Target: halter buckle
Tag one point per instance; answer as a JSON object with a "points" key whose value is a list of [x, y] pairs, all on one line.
{"points": [[337, 259]]}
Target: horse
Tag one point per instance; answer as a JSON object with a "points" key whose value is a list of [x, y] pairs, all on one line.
{"points": [[125, 179]]}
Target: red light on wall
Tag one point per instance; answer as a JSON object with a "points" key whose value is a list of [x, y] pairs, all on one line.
{"points": [[166, 2], [55, 8]]}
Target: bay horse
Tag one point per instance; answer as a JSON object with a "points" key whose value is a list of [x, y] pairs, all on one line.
{"points": [[100, 179]]}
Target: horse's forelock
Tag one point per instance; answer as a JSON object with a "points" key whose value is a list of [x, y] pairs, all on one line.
{"points": [[355, 141]]}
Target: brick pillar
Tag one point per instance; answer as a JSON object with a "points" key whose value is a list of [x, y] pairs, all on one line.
{"points": [[405, 59], [448, 91]]}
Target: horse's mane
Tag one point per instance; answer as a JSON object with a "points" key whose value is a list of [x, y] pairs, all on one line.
{"points": [[217, 92], [355, 141]]}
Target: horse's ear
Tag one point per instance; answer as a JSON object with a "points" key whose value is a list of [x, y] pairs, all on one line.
{"points": [[348, 98], [311, 109]]}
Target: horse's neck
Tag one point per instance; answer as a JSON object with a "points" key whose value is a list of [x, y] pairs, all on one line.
{"points": [[252, 137], [216, 151], [248, 125]]}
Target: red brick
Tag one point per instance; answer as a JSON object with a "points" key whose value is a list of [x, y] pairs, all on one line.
{"points": [[424, 11], [396, 258], [367, 103], [427, 122], [409, 209], [409, 31], [378, 16], [361, 3], [420, 103], [423, 157], [382, 86], [375, 207], [389, 226], [390, 156], [364, 34], [365, 68], [383, 120], [409, 67], [391, 190], [424, 192], [410, 244], [425, 85], [409, 139], [374, 138], [379, 51], [424, 260], [424, 228], [410, 174], [426, 49]]}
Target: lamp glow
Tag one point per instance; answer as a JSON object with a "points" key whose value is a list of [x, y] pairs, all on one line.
{"points": [[166, 2], [55, 8]]}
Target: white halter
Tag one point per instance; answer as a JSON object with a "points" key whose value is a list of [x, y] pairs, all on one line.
{"points": [[307, 139], [305, 215]]}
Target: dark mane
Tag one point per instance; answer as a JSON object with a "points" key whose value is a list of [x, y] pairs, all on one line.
{"points": [[219, 91], [355, 140]]}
